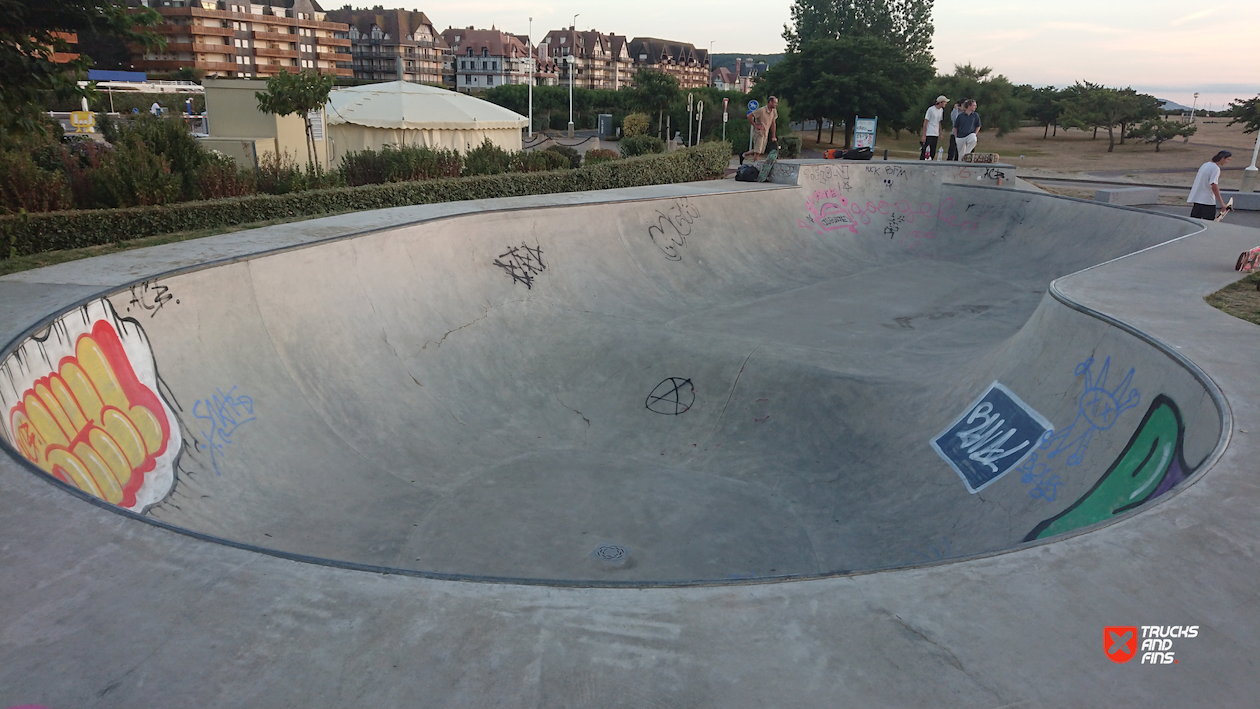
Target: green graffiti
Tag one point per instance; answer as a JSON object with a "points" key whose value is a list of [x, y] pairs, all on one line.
{"points": [[1151, 464]]}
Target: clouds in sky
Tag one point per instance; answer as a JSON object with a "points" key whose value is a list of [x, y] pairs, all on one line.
{"points": [[1167, 47]]}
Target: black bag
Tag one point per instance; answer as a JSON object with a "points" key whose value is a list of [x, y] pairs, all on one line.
{"points": [[747, 173], [858, 154]]}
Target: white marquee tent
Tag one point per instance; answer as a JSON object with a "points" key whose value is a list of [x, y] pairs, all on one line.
{"points": [[402, 113]]}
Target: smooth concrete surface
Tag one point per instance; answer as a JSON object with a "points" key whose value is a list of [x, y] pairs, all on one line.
{"points": [[858, 342], [1127, 196]]}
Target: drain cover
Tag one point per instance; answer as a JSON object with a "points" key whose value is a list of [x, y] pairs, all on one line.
{"points": [[612, 554]]}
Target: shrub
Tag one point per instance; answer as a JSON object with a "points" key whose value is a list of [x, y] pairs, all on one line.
{"points": [[635, 124], [570, 154], [398, 164], [220, 177], [790, 146], [278, 173], [598, 155], [35, 233], [538, 161], [487, 159], [641, 145], [132, 175], [24, 185]]}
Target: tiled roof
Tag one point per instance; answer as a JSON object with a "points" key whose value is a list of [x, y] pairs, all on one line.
{"points": [[497, 44]]}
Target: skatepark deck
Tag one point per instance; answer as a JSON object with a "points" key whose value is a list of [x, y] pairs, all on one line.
{"points": [[702, 386]]}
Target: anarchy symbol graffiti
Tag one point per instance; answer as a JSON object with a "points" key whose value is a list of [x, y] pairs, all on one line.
{"points": [[672, 397]]}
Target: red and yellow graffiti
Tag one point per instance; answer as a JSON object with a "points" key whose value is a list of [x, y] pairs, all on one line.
{"points": [[93, 423]]}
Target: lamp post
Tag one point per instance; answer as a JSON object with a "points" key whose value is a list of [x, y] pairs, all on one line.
{"points": [[1251, 173], [529, 48], [690, 98], [570, 60], [1196, 105], [699, 118]]}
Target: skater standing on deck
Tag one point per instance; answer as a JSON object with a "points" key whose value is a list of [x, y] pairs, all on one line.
{"points": [[762, 120], [932, 128], [1205, 194], [967, 128], [953, 118]]}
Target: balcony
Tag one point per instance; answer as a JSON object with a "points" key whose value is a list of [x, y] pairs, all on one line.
{"points": [[274, 36], [332, 41], [200, 48], [277, 53], [194, 30]]}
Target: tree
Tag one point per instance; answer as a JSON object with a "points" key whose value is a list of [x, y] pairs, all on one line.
{"points": [[850, 76], [31, 32], [1097, 106], [902, 23], [1043, 107], [654, 91], [1245, 112], [1157, 130], [300, 93]]}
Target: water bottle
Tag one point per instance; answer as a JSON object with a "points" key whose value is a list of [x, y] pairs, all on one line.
{"points": [[940, 153]]}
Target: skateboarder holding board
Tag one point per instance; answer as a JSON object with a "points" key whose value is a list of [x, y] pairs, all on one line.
{"points": [[762, 120], [1205, 194]]}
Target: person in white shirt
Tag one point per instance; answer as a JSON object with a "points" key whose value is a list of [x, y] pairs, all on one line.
{"points": [[932, 128], [1205, 194]]}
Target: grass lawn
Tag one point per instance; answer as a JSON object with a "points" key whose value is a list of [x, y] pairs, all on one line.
{"points": [[1240, 299]]}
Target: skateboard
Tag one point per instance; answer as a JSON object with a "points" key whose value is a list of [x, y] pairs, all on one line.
{"points": [[1229, 207], [771, 157], [1248, 260]]}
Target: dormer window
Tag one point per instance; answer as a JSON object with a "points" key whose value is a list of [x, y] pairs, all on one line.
{"points": [[485, 51]]}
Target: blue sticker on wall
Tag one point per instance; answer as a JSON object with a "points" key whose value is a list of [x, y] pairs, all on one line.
{"points": [[994, 435]]}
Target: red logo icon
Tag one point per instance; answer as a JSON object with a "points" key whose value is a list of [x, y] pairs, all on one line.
{"points": [[1120, 642]]}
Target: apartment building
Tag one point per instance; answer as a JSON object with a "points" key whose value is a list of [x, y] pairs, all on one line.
{"points": [[247, 38], [483, 59], [687, 63], [600, 61], [380, 37]]}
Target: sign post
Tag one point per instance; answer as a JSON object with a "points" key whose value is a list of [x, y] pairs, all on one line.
{"points": [[752, 106], [864, 132], [726, 102]]}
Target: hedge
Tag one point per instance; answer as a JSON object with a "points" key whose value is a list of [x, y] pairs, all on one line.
{"points": [[25, 234]]}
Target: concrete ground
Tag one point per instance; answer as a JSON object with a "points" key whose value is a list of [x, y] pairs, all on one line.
{"points": [[657, 447]]}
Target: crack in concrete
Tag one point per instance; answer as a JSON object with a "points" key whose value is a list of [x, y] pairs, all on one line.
{"points": [[953, 659]]}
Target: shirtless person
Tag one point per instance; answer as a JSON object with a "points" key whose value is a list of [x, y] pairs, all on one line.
{"points": [[762, 120]]}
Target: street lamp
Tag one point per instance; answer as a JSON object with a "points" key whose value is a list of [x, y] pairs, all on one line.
{"points": [[571, 61], [529, 47], [1251, 173], [690, 108], [699, 118], [1196, 105], [574, 25]]}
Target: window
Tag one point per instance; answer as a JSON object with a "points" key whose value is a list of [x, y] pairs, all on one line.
{"points": [[489, 81], [485, 51], [468, 78], [485, 65]]}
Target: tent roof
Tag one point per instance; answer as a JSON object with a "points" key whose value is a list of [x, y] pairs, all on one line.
{"points": [[400, 104]]}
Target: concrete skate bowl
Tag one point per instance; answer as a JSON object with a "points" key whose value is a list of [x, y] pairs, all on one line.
{"points": [[864, 371]]}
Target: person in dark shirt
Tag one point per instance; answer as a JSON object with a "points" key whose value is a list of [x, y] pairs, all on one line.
{"points": [[966, 129]]}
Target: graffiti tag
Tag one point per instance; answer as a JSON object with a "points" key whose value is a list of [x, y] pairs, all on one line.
{"points": [[672, 227], [522, 263], [150, 296], [224, 412]]}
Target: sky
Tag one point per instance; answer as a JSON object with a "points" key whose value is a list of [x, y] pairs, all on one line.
{"points": [[1169, 48]]}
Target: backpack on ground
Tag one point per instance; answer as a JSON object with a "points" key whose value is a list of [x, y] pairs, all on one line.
{"points": [[747, 173]]}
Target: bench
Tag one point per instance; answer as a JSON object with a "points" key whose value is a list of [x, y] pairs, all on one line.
{"points": [[1128, 196]]}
